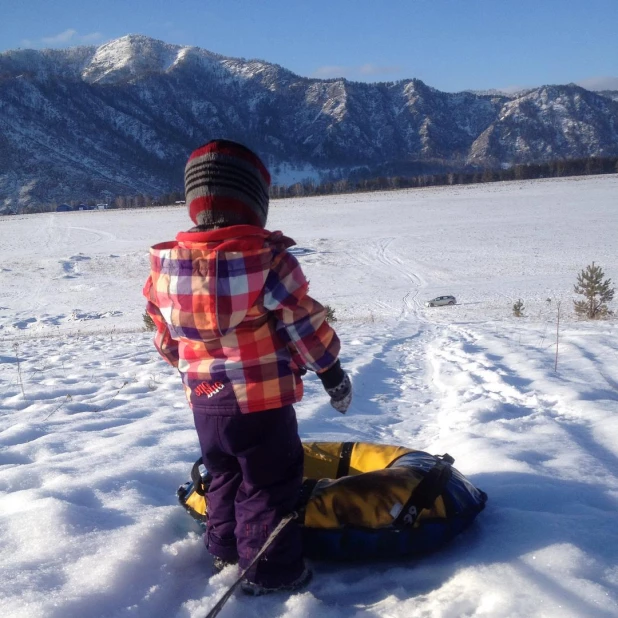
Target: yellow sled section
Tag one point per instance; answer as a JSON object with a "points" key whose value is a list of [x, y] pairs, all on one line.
{"points": [[369, 494], [197, 503], [323, 459], [354, 486]]}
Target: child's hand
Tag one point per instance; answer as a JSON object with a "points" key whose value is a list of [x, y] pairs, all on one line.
{"points": [[341, 395], [337, 384]]}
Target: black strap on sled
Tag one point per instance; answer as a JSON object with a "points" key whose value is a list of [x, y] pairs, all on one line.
{"points": [[196, 477], [306, 489], [343, 469], [426, 492]]}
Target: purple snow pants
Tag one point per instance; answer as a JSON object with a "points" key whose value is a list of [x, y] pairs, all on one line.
{"points": [[256, 461]]}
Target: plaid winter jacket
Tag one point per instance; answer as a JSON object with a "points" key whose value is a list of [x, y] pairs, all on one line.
{"points": [[233, 315]]}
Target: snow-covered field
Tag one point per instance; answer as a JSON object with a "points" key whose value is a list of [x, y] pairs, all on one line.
{"points": [[95, 434]]}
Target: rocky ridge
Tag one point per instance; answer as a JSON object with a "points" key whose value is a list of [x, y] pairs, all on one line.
{"points": [[92, 122]]}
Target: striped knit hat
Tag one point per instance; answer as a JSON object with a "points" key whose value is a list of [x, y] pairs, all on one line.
{"points": [[226, 184]]}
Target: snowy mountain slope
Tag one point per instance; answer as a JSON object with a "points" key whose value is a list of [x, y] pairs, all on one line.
{"points": [[550, 120], [610, 94], [95, 435], [122, 118]]}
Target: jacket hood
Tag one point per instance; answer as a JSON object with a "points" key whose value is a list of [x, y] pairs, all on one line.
{"points": [[221, 273]]}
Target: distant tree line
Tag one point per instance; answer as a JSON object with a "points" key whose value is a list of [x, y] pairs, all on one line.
{"points": [[552, 169]]}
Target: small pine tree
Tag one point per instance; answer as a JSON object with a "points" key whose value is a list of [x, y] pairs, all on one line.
{"points": [[148, 322], [330, 314], [518, 309], [596, 292]]}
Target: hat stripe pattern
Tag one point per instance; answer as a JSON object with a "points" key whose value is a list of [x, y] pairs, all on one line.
{"points": [[212, 175], [223, 174]]}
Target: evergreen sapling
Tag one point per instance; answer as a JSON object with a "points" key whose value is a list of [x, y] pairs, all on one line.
{"points": [[596, 292], [518, 309]]}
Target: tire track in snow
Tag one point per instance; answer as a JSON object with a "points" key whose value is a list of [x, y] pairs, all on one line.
{"points": [[385, 256], [98, 234], [377, 254]]}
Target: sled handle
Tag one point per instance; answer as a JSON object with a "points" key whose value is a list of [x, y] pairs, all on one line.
{"points": [[273, 535]]}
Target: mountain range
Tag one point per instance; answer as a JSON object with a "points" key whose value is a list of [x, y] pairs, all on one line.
{"points": [[121, 118]]}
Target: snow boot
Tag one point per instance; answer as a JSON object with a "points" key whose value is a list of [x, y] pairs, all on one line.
{"points": [[255, 590], [218, 564]]}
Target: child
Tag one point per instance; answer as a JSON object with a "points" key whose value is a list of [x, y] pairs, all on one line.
{"points": [[232, 313]]}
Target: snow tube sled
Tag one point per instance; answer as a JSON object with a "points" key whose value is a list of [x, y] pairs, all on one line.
{"points": [[362, 501]]}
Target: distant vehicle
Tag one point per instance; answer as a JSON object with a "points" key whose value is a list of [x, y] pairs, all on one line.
{"points": [[63, 208], [441, 300]]}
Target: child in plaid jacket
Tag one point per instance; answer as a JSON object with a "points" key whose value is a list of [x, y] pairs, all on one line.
{"points": [[232, 312]]}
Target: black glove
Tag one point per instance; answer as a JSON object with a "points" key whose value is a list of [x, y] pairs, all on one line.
{"points": [[338, 386]]}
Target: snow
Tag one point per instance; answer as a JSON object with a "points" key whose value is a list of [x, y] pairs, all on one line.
{"points": [[285, 174], [133, 53], [95, 435]]}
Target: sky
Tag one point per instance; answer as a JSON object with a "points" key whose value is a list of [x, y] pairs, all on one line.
{"points": [[451, 45]]}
